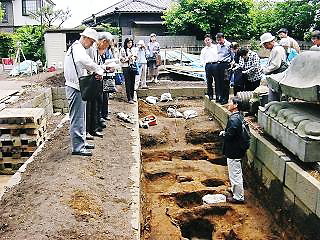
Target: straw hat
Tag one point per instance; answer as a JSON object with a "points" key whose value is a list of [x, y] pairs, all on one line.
{"points": [[90, 33], [266, 37]]}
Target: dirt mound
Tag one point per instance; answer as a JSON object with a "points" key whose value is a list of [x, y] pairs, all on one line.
{"points": [[146, 109]]}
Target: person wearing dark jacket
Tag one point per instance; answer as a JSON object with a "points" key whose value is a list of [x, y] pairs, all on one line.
{"points": [[232, 150]]}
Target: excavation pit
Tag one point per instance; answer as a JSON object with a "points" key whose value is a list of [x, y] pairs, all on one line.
{"points": [[182, 161], [213, 182], [197, 229]]}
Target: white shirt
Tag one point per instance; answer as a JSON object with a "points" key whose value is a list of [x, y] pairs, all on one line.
{"points": [[83, 64], [209, 54], [277, 55]]}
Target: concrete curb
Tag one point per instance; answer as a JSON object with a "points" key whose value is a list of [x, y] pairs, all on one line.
{"points": [[135, 172]]}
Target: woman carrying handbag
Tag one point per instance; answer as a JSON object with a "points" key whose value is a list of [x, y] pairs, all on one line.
{"points": [[127, 61]]}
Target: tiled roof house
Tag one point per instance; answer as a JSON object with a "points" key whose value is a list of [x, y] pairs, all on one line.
{"points": [[135, 17]]}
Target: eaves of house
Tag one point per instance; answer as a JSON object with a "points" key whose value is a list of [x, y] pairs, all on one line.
{"points": [[132, 6]]}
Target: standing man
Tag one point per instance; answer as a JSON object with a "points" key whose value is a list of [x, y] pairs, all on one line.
{"points": [[76, 64], [315, 38], [277, 54], [276, 61], [225, 57], [233, 151], [209, 58], [283, 33]]}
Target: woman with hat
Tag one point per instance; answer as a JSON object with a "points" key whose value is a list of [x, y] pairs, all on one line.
{"points": [[141, 79], [154, 57]]}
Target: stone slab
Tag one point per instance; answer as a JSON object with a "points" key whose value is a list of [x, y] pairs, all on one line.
{"points": [[175, 92], [272, 158], [304, 186], [305, 150]]}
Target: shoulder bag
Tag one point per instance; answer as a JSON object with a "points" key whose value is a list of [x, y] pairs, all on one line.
{"points": [[88, 84]]}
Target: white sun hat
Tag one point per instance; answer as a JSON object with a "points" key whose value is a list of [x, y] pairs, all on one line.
{"points": [[141, 42], [90, 33], [266, 37]]}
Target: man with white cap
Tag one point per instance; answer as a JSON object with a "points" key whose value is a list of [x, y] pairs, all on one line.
{"points": [[277, 54], [76, 64], [141, 79], [276, 61]]}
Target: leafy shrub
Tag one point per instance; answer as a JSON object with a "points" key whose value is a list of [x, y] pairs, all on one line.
{"points": [[31, 39], [6, 44]]}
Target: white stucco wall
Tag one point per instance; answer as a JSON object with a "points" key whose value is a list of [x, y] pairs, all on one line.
{"points": [[55, 47], [20, 20]]}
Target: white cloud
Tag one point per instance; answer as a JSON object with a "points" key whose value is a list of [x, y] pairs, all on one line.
{"points": [[81, 9]]}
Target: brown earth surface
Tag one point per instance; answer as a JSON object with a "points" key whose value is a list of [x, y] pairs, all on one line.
{"points": [[182, 162], [70, 197]]}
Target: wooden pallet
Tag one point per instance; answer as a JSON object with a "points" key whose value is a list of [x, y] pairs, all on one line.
{"points": [[22, 116], [4, 127], [23, 140]]}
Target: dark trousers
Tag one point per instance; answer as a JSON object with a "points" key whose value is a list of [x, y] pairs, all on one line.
{"points": [[251, 86], [129, 78], [105, 105], [209, 68], [91, 115], [222, 82]]}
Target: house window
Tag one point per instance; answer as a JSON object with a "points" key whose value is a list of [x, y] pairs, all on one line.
{"points": [[5, 7], [29, 6]]}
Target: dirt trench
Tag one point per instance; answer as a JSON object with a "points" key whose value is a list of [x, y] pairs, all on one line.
{"points": [[182, 162]]}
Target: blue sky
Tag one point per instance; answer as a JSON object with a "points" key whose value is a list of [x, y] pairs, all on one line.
{"points": [[82, 9]]}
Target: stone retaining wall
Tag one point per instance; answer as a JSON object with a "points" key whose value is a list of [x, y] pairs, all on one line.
{"points": [[287, 190], [44, 100], [59, 100]]}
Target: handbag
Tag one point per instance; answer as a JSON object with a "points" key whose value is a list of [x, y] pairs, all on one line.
{"points": [[119, 79], [88, 84], [134, 68], [158, 60], [109, 84]]}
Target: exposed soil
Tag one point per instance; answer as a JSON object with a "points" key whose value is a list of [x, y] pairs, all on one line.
{"points": [[178, 172], [71, 197]]}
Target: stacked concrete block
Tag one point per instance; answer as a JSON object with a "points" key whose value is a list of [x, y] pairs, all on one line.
{"points": [[22, 130], [220, 113], [59, 100], [305, 187], [43, 100]]}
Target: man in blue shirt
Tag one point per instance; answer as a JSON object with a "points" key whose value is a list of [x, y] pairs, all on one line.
{"points": [[225, 57]]}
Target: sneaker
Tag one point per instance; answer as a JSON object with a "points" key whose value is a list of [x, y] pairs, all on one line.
{"points": [[89, 146], [235, 201], [84, 152], [89, 137], [131, 102]]}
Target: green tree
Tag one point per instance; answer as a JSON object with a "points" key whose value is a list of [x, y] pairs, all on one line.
{"points": [[6, 44], [108, 28], [49, 17], [199, 16], [1, 12], [298, 16], [31, 40]]}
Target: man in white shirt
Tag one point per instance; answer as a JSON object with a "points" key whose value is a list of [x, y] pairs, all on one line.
{"points": [[209, 58], [276, 61], [76, 64]]}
